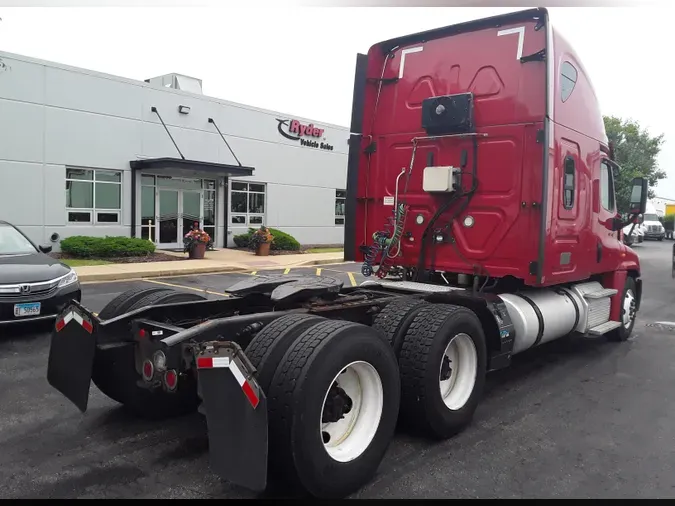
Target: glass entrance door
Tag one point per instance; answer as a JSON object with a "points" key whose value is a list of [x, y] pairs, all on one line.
{"points": [[191, 211], [167, 218], [179, 210], [171, 206]]}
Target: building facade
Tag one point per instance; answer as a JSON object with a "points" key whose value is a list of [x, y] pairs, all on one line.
{"points": [[86, 153]]}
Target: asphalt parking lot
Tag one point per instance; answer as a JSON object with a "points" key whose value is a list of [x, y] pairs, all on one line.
{"points": [[589, 419]]}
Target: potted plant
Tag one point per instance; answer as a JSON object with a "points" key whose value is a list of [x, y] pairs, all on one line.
{"points": [[195, 243], [260, 241]]}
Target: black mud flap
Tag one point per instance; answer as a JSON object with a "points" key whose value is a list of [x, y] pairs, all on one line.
{"points": [[236, 415], [71, 354]]}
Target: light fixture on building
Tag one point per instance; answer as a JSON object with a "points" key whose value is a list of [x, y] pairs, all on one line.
{"points": [[184, 109]]}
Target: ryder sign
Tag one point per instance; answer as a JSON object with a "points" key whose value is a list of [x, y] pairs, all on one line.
{"points": [[307, 135]]}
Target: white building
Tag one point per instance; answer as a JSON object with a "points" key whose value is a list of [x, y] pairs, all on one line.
{"points": [[86, 153], [660, 203]]}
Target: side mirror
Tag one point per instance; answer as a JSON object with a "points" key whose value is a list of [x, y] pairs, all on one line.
{"points": [[45, 248], [638, 196]]}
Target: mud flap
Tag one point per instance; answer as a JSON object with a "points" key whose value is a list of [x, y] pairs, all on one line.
{"points": [[71, 355], [236, 415]]}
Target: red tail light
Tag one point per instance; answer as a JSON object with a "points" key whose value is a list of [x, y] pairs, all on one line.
{"points": [[171, 379], [141, 333], [148, 370]]}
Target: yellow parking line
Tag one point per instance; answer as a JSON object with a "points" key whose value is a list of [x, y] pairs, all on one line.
{"points": [[351, 278], [288, 269], [253, 273], [173, 285], [318, 271]]}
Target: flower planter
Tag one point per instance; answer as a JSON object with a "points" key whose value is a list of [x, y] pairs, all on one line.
{"points": [[263, 249], [197, 251]]}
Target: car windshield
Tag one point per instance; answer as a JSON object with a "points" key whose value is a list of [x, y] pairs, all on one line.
{"points": [[12, 242], [650, 217]]}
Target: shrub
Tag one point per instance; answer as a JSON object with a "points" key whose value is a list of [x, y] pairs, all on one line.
{"points": [[81, 246], [669, 222], [282, 241]]}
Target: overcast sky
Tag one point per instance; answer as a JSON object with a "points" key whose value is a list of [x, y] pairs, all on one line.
{"points": [[301, 60]]}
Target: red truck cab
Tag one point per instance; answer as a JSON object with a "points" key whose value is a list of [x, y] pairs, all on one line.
{"points": [[504, 110]]}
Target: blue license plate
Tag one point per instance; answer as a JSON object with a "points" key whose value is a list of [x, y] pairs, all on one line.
{"points": [[29, 309]]}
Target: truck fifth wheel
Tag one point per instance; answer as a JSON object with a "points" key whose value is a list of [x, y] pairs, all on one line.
{"points": [[481, 207]]}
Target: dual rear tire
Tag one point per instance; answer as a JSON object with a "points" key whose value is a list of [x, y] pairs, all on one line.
{"points": [[333, 393], [442, 356], [336, 389]]}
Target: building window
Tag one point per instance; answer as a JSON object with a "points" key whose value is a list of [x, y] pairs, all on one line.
{"points": [[606, 187], [93, 196], [340, 199], [247, 203], [568, 183], [568, 79]]}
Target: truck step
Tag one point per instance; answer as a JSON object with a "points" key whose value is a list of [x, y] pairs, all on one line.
{"points": [[410, 286], [601, 294], [604, 328]]}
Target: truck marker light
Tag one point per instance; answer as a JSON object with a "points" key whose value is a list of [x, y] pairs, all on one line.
{"points": [[225, 362], [171, 379], [141, 333], [148, 370], [468, 221]]}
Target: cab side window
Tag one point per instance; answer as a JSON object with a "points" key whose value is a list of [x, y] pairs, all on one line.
{"points": [[568, 183], [606, 187], [568, 80]]}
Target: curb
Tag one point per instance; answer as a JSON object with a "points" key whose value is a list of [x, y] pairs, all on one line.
{"points": [[121, 276], [128, 276]]}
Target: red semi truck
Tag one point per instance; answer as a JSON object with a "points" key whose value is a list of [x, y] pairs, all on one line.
{"points": [[481, 205]]}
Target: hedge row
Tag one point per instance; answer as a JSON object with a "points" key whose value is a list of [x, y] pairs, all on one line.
{"points": [[81, 246], [282, 241]]}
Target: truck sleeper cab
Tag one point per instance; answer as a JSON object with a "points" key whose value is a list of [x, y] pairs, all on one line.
{"points": [[480, 197]]}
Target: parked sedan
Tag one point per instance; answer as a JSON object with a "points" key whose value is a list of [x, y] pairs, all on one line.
{"points": [[33, 285]]}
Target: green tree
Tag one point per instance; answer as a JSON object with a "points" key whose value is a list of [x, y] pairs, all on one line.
{"points": [[636, 152]]}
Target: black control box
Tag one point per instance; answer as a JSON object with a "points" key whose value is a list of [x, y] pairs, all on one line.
{"points": [[448, 114]]}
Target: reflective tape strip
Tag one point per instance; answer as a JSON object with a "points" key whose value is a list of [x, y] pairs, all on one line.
{"points": [[245, 385], [225, 362], [212, 362], [64, 321], [79, 319]]}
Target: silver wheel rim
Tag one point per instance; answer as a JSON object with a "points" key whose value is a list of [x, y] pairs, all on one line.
{"points": [[347, 438], [458, 371], [628, 308]]}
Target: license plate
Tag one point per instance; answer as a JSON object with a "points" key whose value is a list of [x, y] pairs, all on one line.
{"points": [[31, 309]]}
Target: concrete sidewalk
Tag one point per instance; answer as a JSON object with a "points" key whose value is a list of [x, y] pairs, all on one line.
{"points": [[213, 262]]}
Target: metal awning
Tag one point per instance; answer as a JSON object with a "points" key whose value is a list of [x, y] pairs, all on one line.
{"points": [[216, 169]]}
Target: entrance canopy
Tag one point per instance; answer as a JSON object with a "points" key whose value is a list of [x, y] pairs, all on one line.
{"points": [[170, 165]]}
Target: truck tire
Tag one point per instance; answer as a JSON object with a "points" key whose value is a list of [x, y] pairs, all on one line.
{"points": [[362, 364], [120, 304], [443, 364], [627, 314], [114, 373], [395, 319], [268, 347]]}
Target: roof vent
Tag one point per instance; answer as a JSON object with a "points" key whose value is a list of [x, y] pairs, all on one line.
{"points": [[178, 82]]}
